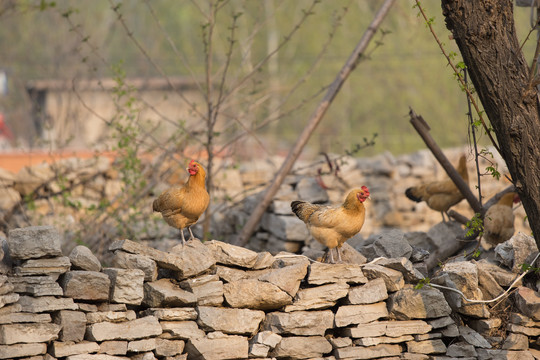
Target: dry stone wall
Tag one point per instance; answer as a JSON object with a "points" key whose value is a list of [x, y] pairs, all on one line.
{"points": [[217, 301]]}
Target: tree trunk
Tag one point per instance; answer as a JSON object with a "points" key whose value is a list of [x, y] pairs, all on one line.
{"points": [[486, 36]]}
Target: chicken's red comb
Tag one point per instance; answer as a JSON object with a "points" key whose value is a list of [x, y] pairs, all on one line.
{"points": [[364, 187], [191, 162]]}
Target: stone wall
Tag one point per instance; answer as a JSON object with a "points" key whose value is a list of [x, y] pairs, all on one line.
{"points": [[218, 301]]}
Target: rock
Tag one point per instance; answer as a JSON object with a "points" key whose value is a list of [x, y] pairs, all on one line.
{"points": [[402, 265], [126, 285], [52, 267], [516, 342], [192, 259], [441, 322], [485, 326], [319, 274], [418, 254], [20, 317], [229, 321], [370, 352], [20, 350], [473, 338], [8, 299], [267, 338], [126, 260], [392, 278], [512, 253], [28, 333], [82, 258], [389, 244], [232, 255], [529, 331], [488, 285], [302, 347], [143, 345], [370, 341], [208, 289], [86, 285], [218, 346], [496, 354], [113, 347], [34, 242], [9, 197], [46, 304], [62, 349], [304, 323], [72, 323], [350, 255], [360, 314], [255, 294], [520, 319], [172, 314], [184, 330], [463, 276], [435, 346], [426, 303], [372, 292], [399, 328], [528, 302], [110, 316], [377, 328], [36, 285], [287, 278], [285, 227], [166, 347], [461, 349], [164, 293], [311, 191], [503, 277], [130, 330], [319, 297]]}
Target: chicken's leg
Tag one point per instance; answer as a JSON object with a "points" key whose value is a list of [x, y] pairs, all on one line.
{"points": [[331, 256], [192, 237], [339, 254], [182, 234]]}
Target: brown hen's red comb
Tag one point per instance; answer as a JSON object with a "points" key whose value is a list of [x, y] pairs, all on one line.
{"points": [[365, 188], [191, 162]]}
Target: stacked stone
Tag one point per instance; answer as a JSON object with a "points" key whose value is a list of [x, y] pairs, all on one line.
{"points": [[219, 301]]}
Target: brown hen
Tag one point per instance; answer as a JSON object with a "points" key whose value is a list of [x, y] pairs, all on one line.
{"points": [[181, 206]]}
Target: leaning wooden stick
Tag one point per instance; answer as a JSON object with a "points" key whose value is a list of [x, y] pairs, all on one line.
{"points": [[423, 129]]}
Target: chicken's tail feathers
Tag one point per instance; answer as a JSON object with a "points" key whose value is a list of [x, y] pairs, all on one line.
{"points": [[155, 206], [296, 207], [412, 194]]}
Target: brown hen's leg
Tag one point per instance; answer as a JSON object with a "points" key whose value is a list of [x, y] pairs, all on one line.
{"points": [[331, 256], [192, 237], [339, 254], [182, 234]]}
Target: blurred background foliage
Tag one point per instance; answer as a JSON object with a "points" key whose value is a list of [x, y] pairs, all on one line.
{"points": [[41, 40]]}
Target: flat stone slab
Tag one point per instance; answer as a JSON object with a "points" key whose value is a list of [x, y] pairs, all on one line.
{"points": [[230, 321], [370, 352], [34, 242], [86, 285], [164, 293], [320, 274], [188, 260], [28, 333], [319, 297], [129, 330], [255, 294], [21, 350], [218, 346], [46, 304], [302, 347], [360, 314], [304, 323]]}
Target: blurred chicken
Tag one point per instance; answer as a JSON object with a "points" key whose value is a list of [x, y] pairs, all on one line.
{"points": [[440, 195], [499, 220], [333, 225], [181, 206]]}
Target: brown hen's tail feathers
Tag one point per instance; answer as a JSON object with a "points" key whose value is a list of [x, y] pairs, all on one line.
{"points": [[296, 207], [411, 195]]}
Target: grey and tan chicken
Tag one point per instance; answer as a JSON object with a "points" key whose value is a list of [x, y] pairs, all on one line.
{"points": [[440, 195], [333, 225]]}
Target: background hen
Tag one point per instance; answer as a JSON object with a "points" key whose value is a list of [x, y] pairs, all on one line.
{"points": [[440, 195], [499, 220]]}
